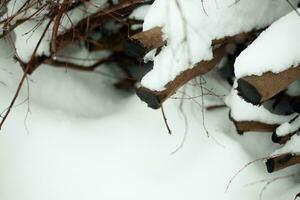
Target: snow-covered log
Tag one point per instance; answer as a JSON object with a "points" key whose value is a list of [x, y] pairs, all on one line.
{"points": [[271, 63], [141, 43], [284, 102], [258, 89], [154, 99], [285, 131], [279, 162], [190, 28], [241, 110], [255, 126], [281, 139]]}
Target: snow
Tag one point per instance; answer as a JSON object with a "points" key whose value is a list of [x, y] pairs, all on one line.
{"points": [[189, 28], [29, 33], [287, 128], [12, 8], [139, 13], [274, 50], [84, 140], [81, 12], [292, 146], [77, 137], [27, 38], [244, 111]]}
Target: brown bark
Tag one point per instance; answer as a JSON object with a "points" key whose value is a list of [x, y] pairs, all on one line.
{"points": [[141, 43], [247, 126], [154, 99], [281, 139], [85, 26], [279, 162], [258, 89], [62, 10]]}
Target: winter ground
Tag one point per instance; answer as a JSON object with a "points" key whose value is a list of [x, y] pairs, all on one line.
{"points": [[84, 140]]}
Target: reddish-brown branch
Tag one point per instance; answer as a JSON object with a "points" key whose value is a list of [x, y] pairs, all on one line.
{"points": [[69, 65], [123, 8], [62, 9], [27, 67], [79, 32]]}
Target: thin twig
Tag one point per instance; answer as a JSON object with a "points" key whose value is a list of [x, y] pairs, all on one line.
{"points": [[165, 119]]}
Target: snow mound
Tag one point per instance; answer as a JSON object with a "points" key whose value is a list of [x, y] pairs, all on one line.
{"points": [[190, 27], [140, 13], [274, 50]]}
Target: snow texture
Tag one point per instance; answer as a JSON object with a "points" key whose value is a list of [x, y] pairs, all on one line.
{"points": [[288, 127], [140, 13], [84, 140], [190, 26], [244, 111], [291, 146], [274, 50]]}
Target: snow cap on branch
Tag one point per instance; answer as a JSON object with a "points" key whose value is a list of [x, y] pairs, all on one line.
{"points": [[275, 49], [189, 27]]}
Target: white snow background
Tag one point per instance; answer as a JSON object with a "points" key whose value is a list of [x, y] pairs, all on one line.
{"points": [[85, 140]]}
